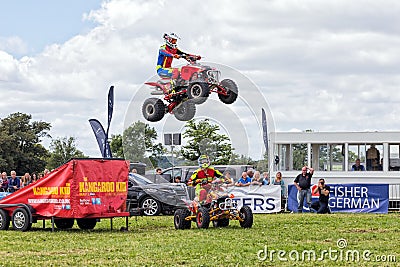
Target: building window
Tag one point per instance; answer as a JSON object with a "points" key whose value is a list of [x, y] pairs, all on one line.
{"points": [[374, 155], [394, 157]]}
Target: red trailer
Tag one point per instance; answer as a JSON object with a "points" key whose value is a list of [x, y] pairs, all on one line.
{"points": [[82, 189]]}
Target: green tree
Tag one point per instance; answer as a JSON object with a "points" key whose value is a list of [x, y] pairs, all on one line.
{"points": [[203, 138], [323, 157], [63, 149], [116, 146], [237, 159], [20, 147], [138, 143], [352, 156], [299, 156], [262, 164]]}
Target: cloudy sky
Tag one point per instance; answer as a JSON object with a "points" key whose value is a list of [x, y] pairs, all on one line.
{"points": [[321, 65]]}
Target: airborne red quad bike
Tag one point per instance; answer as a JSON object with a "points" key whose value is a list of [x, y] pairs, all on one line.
{"points": [[193, 86]]}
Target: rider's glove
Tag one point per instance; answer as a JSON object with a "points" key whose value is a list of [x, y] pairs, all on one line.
{"points": [[198, 57], [176, 56], [204, 181]]}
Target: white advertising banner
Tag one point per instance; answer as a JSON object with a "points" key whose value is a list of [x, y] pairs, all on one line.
{"points": [[261, 199]]}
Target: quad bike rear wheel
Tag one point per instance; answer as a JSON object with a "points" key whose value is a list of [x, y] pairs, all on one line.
{"points": [[198, 92], [185, 111], [179, 219], [153, 109], [202, 218], [247, 215], [231, 91]]}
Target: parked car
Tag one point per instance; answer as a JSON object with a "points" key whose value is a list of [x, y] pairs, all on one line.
{"points": [[139, 166], [186, 171], [153, 198]]}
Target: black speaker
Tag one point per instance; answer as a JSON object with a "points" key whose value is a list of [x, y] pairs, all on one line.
{"points": [[276, 159], [168, 139], [177, 139]]}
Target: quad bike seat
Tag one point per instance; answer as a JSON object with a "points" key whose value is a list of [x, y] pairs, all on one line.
{"points": [[164, 80]]}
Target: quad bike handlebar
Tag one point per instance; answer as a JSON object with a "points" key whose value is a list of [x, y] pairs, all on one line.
{"points": [[191, 58]]}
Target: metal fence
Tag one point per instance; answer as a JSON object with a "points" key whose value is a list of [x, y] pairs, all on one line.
{"points": [[394, 197]]}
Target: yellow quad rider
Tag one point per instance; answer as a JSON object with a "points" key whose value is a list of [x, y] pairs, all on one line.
{"points": [[203, 176]]}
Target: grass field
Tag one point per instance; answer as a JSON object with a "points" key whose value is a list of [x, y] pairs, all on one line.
{"points": [[153, 241]]}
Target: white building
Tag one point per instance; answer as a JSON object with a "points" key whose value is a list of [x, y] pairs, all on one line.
{"points": [[332, 155]]}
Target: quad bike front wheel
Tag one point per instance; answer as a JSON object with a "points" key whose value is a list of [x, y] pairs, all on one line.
{"points": [[185, 111], [179, 219], [202, 218], [153, 109], [247, 215], [198, 92], [231, 91]]}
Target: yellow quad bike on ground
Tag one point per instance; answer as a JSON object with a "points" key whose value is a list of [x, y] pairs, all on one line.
{"points": [[219, 208]]}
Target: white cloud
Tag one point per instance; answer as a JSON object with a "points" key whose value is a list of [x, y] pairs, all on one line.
{"points": [[13, 44]]}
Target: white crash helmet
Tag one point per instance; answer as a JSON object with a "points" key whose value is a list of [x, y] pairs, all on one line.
{"points": [[171, 39], [204, 161]]}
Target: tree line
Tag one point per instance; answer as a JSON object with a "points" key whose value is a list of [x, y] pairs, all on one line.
{"points": [[21, 146], [138, 143], [21, 149]]}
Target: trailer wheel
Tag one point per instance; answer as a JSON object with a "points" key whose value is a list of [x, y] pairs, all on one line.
{"points": [[4, 220], [86, 224], [64, 223], [20, 220]]}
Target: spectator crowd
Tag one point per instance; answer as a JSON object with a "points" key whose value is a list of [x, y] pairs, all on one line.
{"points": [[13, 183], [250, 177]]}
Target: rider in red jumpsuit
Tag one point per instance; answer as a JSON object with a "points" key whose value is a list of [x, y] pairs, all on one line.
{"points": [[166, 54]]}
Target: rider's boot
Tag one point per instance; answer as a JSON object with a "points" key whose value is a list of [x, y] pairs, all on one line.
{"points": [[172, 86], [174, 80]]}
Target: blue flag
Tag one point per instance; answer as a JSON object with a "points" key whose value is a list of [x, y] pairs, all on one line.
{"points": [[265, 130], [110, 107], [101, 138]]}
